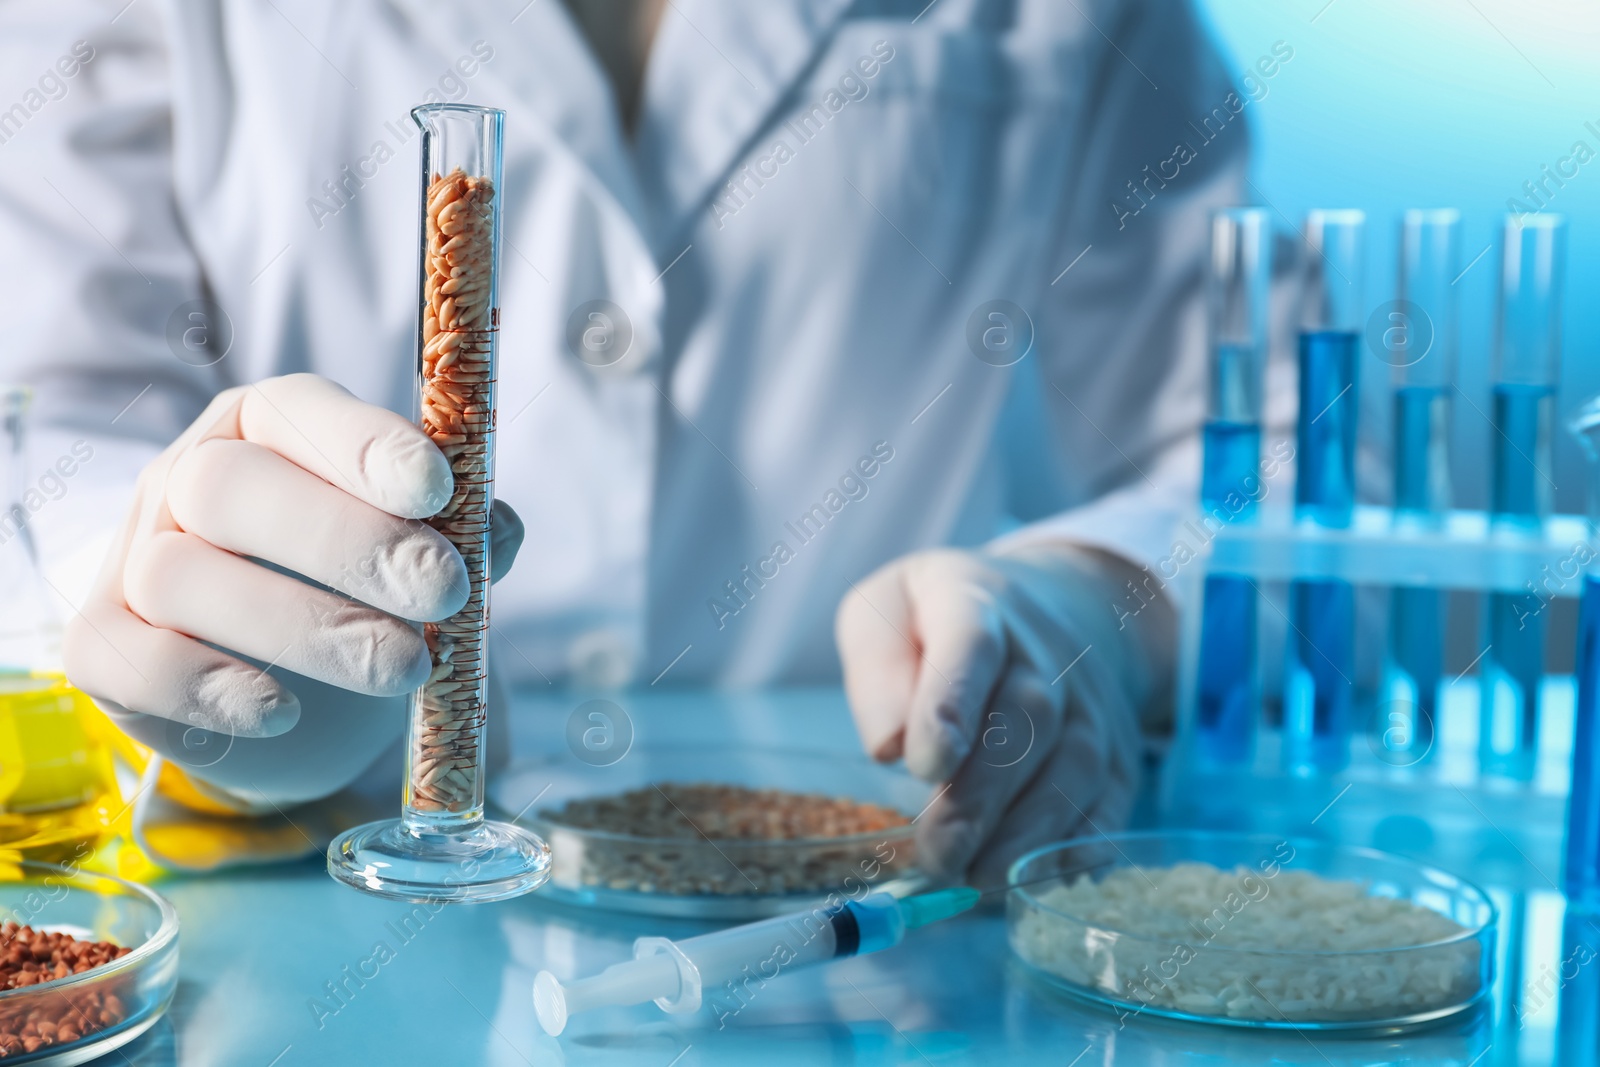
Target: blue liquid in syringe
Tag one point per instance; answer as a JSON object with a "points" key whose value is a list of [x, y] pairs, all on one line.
{"points": [[1411, 683], [1225, 700], [1581, 872], [1319, 692], [1514, 628]]}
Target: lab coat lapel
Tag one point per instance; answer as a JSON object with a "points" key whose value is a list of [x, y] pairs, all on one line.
{"points": [[718, 71], [545, 74]]}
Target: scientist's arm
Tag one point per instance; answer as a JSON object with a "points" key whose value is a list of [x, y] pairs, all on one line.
{"points": [[1021, 674], [195, 637], [1004, 676], [293, 472], [287, 477]]}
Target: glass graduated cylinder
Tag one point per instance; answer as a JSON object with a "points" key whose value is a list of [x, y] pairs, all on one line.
{"points": [[443, 848]]}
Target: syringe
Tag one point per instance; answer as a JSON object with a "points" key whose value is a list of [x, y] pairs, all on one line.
{"points": [[675, 974]]}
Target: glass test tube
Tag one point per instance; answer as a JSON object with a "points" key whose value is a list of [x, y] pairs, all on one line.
{"points": [[1577, 989], [442, 847], [1527, 368], [1238, 278], [1422, 340], [1580, 875], [1319, 690]]}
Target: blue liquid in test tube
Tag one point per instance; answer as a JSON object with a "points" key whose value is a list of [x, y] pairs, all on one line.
{"points": [[1421, 343], [1527, 368], [1581, 872], [1580, 876], [1226, 701], [1325, 456], [1237, 282], [1319, 688]]}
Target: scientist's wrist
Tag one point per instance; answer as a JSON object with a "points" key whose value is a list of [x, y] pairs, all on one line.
{"points": [[1095, 585]]}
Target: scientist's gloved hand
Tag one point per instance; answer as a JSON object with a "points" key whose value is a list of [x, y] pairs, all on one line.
{"points": [[1006, 676], [289, 475]]}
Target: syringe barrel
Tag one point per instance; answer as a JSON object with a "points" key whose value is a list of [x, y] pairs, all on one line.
{"points": [[746, 956], [759, 951], [680, 975]]}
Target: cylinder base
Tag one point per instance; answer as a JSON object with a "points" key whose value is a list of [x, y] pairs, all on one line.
{"points": [[493, 861]]}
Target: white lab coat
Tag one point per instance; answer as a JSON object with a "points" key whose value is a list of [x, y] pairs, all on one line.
{"points": [[798, 316]]}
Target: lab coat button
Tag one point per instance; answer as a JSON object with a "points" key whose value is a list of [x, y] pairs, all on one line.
{"points": [[601, 659]]}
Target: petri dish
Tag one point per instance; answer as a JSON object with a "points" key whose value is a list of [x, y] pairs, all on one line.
{"points": [[133, 991], [1195, 970], [721, 877]]}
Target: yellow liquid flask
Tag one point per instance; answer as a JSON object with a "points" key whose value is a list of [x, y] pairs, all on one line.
{"points": [[59, 799]]}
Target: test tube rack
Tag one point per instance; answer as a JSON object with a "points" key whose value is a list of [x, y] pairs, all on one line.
{"points": [[1459, 552]]}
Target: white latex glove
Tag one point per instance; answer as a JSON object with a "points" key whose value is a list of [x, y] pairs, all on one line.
{"points": [[1006, 676], [290, 476]]}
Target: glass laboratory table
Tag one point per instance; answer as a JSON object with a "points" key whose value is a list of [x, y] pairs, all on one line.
{"points": [[262, 950]]}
